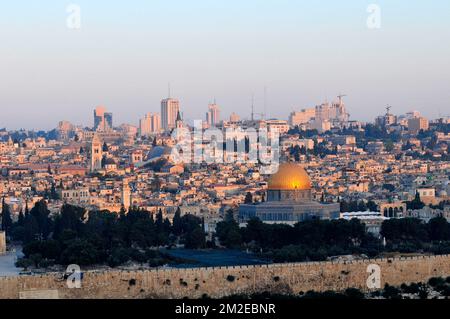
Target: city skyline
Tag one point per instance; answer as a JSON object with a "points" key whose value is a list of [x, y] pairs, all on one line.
{"points": [[124, 56], [137, 122]]}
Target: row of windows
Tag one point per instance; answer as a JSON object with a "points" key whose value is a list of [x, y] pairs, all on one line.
{"points": [[80, 194], [270, 216]]}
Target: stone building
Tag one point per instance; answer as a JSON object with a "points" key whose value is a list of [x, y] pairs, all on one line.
{"points": [[2, 242], [96, 154], [289, 200]]}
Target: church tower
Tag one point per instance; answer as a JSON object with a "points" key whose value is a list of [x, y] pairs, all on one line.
{"points": [[126, 194], [96, 154], [179, 121]]}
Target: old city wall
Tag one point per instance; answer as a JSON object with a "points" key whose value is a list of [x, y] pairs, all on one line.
{"points": [[224, 281]]}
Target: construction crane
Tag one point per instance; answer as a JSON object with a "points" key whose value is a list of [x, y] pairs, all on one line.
{"points": [[340, 96], [388, 108]]}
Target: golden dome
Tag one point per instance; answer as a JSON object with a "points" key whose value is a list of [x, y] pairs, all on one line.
{"points": [[290, 177]]}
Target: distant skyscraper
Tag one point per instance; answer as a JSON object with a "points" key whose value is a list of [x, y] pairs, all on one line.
{"points": [[108, 121], [151, 123], [234, 118], [103, 121], [303, 117], [155, 121], [213, 115], [335, 113], [64, 129], [417, 124], [169, 111], [99, 117], [145, 125]]}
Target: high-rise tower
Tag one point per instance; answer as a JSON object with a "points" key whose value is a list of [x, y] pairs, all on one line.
{"points": [[169, 111], [213, 115], [103, 121]]}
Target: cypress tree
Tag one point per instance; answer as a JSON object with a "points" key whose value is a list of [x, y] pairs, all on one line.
{"points": [[177, 224], [6, 216], [21, 220]]}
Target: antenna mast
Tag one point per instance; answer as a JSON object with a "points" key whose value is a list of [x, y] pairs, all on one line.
{"points": [[388, 108], [253, 107], [265, 103]]}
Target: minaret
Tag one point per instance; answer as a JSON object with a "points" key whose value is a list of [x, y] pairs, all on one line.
{"points": [[96, 154], [126, 194]]}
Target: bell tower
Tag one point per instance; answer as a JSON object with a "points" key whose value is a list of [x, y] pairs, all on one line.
{"points": [[126, 194], [96, 154]]}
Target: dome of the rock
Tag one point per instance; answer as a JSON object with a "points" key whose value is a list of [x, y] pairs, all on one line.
{"points": [[290, 176]]}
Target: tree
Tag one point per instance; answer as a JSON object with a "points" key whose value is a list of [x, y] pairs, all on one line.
{"points": [[159, 220], [40, 214], [389, 146], [416, 203], [372, 206], [27, 210], [228, 231], [156, 185], [53, 193], [362, 207], [407, 230], [255, 231], [439, 229], [31, 229], [70, 218], [177, 224], [195, 239], [248, 198], [6, 217], [21, 219], [80, 252]]}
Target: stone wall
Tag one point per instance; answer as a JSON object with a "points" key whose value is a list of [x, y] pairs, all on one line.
{"points": [[224, 281]]}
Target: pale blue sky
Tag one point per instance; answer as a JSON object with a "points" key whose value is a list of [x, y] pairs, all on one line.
{"points": [[303, 51]]}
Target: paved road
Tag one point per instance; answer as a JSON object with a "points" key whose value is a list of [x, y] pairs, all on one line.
{"points": [[7, 267], [214, 258]]}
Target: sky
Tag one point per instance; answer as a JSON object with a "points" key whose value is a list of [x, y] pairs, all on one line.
{"points": [[303, 52]]}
